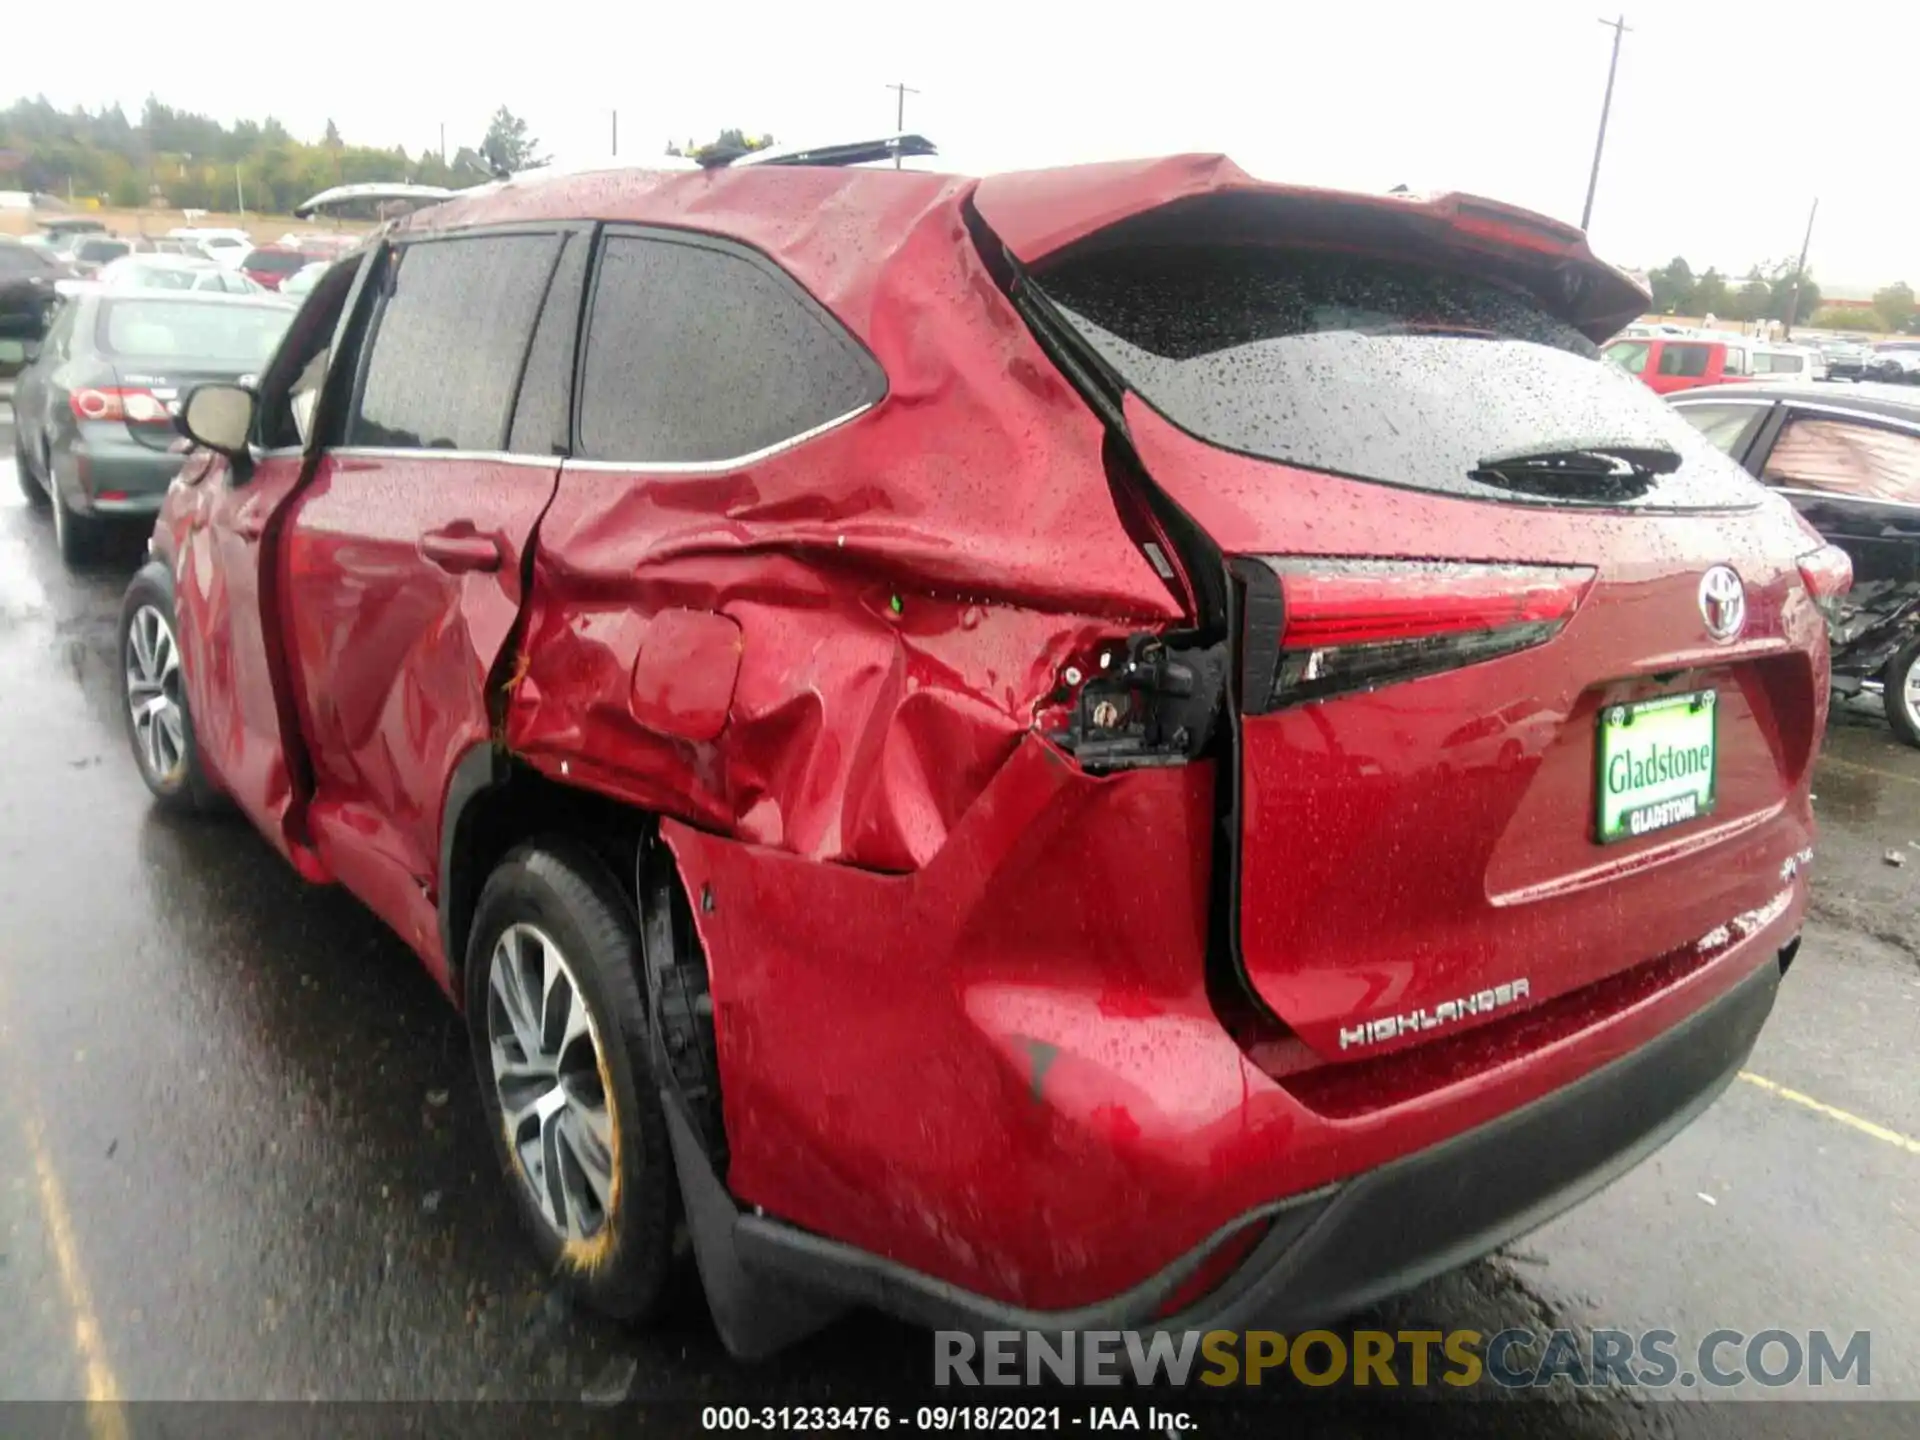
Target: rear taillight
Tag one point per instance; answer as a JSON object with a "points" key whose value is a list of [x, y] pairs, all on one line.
{"points": [[1828, 574], [132, 406], [1351, 625]]}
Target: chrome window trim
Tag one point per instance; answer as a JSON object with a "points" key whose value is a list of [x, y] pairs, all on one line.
{"points": [[716, 467], [1812, 407], [401, 452], [1841, 495]]}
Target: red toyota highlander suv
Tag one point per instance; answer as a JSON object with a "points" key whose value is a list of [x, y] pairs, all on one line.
{"points": [[1113, 747]]}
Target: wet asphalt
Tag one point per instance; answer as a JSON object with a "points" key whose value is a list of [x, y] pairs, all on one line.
{"points": [[241, 1157]]}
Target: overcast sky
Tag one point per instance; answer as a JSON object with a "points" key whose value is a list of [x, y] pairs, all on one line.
{"points": [[1728, 117]]}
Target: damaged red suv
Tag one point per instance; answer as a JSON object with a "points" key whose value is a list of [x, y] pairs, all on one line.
{"points": [[1114, 747]]}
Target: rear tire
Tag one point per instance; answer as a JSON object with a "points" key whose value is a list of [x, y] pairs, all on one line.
{"points": [[23, 469], [1901, 692], [553, 930], [153, 696]]}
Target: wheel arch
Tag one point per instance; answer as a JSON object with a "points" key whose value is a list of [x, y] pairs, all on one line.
{"points": [[494, 802]]}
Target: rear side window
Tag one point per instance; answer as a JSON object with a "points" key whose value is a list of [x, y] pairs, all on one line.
{"points": [[1846, 458], [449, 341], [540, 418], [1768, 363], [1687, 361], [697, 353], [1379, 369]]}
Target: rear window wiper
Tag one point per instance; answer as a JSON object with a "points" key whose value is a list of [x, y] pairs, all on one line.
{"points": [[1600, 472]]}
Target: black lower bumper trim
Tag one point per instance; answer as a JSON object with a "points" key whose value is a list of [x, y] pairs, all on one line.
{"points": [[1338, 1249]]}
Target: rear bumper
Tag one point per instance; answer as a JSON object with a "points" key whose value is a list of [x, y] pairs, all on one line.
{"points": [[1338, 1249], [106, 471]]}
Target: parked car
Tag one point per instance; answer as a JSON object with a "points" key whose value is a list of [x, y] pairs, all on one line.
{"points": [[228, 246], [93, 425], [90, 252], [1786, 362], [1851, 465], [1897, 361], [1668, 364], [1285, 768], [174, 272], [28, 275], [1846, 359], [269, 265], [305, 278]]}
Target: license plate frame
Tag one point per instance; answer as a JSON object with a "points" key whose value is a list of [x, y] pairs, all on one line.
{"points": [[1630, 800]]}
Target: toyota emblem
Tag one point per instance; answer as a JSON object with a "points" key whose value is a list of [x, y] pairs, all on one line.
{"points": [[1723, 602]]}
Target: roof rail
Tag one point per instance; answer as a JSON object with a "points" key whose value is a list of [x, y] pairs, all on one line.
{"points": [[846, 152]]}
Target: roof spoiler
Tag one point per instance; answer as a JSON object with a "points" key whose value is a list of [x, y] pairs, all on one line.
{"points": [[846, 152], [378, 193]]}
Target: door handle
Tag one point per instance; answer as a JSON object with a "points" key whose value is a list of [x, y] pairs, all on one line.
{"points": [[460, 549]]}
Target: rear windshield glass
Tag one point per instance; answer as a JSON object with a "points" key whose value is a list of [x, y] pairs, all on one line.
{"points": [[91, 250], [1378, 369], [274, 262], [182, 330]]}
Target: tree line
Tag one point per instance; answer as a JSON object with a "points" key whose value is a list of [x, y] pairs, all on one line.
{"points": [[1766, 292], [180, 160]]}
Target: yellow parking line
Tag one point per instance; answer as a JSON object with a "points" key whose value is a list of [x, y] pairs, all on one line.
{"points": [[1855, 765], [104, 1418], [1865, 1127]]}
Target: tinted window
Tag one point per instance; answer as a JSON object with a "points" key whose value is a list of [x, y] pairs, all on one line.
{"points": [[241, 335], [449, 340], [1629, 355], [1725, 426], [1847, 458], [1688, 361], [21, 260], [274, 262], [1379, 369], [540, 419], [695, 353], [94, 251]]}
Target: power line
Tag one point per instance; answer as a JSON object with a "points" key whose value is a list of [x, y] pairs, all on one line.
{"points": [[1619, 28], [902, 90]]}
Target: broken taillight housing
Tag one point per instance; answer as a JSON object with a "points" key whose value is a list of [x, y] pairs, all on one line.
{"points": [[1828, 575], [1356, 624]]}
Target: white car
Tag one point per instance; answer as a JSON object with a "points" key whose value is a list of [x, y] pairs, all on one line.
{"points": [[1896, 360], [1786, 362], [174, 272], [228, 247]]}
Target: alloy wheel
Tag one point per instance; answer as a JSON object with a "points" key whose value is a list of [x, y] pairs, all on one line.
{"points": [[550, 1077], [153, 696], [1910, 692]]}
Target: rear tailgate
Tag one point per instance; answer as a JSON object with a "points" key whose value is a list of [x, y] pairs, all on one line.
{"points": [[1480, 551], [1416, 845]]}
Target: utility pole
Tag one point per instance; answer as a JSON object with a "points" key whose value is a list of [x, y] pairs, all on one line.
{"points": [[616, 132], [1619, 28], [901, 91], [239, 193], [443, 142], [1793, 298]]}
